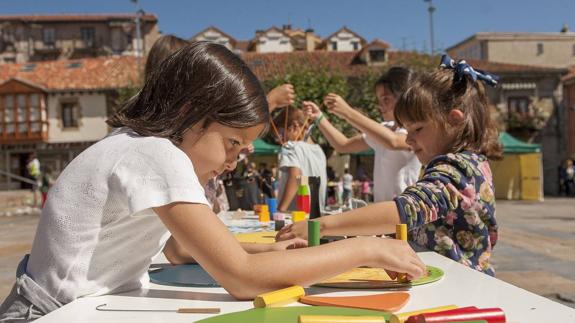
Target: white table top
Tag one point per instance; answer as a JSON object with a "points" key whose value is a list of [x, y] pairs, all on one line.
{"points": [[461, 286]]}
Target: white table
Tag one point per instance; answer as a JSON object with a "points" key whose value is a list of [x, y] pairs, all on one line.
{"points": [[461, 286]]}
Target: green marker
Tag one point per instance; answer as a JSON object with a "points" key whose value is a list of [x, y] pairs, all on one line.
{"points": [[313, 233]]}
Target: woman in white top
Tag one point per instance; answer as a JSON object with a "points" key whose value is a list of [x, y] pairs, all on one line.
{"points": [[115, 205], [395, 166]]}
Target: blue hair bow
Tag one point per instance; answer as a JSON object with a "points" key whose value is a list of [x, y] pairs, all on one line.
{"points": [[462, 68]]}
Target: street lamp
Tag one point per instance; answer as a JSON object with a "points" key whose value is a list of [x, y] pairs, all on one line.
{"points": [[430, 9], [138, 48]]}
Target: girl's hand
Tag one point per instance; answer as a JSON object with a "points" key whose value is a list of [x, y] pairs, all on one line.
{"points": [[336, 105], [281, 96], [397, 256], [311, 110], [289, 244], [293, 231]]}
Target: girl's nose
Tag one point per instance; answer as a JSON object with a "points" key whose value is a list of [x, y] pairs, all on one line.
{"points": [[409, 139], [231, 165]]}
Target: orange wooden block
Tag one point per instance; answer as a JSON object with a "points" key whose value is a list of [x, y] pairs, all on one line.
{"points": [[388, 302]]}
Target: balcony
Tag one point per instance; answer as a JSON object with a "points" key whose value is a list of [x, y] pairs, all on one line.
{"points": [[23, 132], [86, 48], [46, 51]]}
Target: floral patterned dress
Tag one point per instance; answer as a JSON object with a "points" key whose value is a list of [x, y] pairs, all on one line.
{"points": [[451, 209]]}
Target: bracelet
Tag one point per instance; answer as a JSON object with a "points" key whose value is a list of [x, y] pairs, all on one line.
{"points": [[318, 120]]}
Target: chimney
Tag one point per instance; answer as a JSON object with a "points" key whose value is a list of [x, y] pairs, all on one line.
{"points": [[309, 40], [565, 28]]}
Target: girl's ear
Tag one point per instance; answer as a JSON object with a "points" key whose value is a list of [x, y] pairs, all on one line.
{"points": [[455, 117]]}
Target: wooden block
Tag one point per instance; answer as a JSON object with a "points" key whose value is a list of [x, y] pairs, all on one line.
{"points": [[313, 233], [402, 317], [388, 302], [207, 310], [491, 315], [279, 297], [297, 216], [401, 234], [340, 319]]}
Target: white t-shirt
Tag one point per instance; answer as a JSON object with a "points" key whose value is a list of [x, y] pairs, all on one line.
{"points": [[97, 233], [311, 161], [393, 170], [347, 181]]}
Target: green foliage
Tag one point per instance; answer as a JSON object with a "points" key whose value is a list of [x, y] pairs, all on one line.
{"points": [[313, 84], [124, 94]]}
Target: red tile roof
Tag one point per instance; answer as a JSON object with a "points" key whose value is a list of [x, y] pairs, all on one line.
{"points": [[121, 71], [270, 65], [86, 74], [72, 17]]}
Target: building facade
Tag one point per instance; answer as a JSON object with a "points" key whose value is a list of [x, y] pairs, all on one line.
{"points": [[541, 49], [57, 109], [35, 38], [569, 103]]}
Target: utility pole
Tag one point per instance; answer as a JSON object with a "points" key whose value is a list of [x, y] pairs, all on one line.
{"points": [[431, 9], [138, 48]]}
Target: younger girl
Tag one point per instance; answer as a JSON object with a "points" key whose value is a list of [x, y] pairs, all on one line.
{"points": [[451, 209], [298, 158], [395, 167], [114, 206]]}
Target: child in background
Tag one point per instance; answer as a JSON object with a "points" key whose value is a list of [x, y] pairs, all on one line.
{"points": [[46, 184], [347, 186], [298, 158], [365, 189], [395, 167], [114, 206], [451, 209]]}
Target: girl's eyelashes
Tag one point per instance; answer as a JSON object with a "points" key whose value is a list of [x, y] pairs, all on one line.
{"points": [[234, 142]]}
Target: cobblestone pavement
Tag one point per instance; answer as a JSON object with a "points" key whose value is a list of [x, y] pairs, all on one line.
{"points": [[536, 248]]}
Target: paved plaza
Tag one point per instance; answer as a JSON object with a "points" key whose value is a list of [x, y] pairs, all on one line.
{"points": [[536, 249]]}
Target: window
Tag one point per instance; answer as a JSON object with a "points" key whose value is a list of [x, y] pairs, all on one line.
{"points": [[88, 35], [377, 55], [35, 113], [518, 106], [334, 45], [539, 48], [69, 114], [49, 36], [9, 113], [355, 45], [22, 113]]}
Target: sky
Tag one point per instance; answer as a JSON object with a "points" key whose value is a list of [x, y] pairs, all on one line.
{"points": [[402, 23]]}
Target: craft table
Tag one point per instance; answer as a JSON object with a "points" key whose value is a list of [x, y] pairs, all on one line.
{"points": [[460, 286]]}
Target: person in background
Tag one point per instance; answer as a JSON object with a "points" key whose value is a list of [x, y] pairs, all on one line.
{"points": [[34, 173], [47, 182], [347, 179], [298, 158]]}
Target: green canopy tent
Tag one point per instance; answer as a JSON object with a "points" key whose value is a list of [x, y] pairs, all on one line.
{"points": [[512, 145], [263, 148]]}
